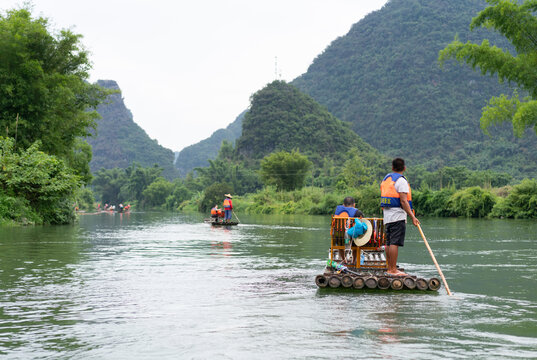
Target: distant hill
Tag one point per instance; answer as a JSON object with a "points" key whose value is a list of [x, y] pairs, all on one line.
{"points": [[383, 78], [283, 118], [120, 141], [197, 155]]}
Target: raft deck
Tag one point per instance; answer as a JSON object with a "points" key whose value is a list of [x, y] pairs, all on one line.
{"points": [[375, 280]]}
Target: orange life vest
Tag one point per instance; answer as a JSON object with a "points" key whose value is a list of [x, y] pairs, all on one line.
{"points": [[389, 197], [342, 214]]}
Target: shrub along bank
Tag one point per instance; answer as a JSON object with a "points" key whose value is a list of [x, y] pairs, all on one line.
{"points": [[518, 201], [144, 188], [35, 188]]}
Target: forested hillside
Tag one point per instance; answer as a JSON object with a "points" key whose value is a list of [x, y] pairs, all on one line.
{"points": [[283, 118], [384, 78], [120, 141], [197, 155]]}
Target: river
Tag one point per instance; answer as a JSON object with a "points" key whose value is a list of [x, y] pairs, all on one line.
{"points": [[167, 286]]}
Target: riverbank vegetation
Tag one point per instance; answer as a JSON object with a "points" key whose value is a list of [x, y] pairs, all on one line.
{"points": [[46, 108], [448, 192]]}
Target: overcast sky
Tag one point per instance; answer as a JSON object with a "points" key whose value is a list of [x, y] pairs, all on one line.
{"points": [[188, 68]]}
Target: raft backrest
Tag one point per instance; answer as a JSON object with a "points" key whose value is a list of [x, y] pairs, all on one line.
{"points": [[338, 227], [340, 224]]}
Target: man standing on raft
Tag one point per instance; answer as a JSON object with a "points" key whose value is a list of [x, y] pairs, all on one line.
{"points": [[396, 203], [228, 208]]}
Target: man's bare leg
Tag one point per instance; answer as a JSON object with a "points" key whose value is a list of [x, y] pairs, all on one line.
{"points": [[392, 259], [387, 253], [393, 252], [392, 262]]}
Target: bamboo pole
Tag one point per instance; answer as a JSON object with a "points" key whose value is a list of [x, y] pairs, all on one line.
{"points": [[434, 260], [235, 215]]}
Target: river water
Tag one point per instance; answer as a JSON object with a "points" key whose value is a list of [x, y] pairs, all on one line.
{"points": [[167, 286]]}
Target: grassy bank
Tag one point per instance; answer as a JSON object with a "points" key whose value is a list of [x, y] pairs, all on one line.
{"points": [[518, 201]]}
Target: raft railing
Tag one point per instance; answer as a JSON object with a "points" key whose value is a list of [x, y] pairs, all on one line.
{"points": [[371, 249]]}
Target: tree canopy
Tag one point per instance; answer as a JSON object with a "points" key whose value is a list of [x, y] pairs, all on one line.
{"points": [[42, 181], [518, 23], [287, 171], [47, 107], [44, 93]]}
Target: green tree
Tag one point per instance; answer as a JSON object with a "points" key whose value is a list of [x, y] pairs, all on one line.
{"points": [[241, 178], [518, 23], [434, 203], [487, 178], [156, 193], [85, 199], [138, 179], [226, 151], [287, 171], [521, 203], [355, 172], [44, 181], [79, 160], [107, 184], [214, 195], [193, 183], [44, 93], [179, 194], [218, 171], [472, 202]]}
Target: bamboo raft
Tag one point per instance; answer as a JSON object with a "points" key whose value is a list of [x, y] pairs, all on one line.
{"points": [[213, 222], [364, 267], [371, 281]]}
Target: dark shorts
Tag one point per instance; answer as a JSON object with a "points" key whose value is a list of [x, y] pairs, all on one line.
{"points": [[395, 233]]}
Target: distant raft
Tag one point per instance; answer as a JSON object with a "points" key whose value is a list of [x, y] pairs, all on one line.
{"points": [[361, 263], [215, 222]]}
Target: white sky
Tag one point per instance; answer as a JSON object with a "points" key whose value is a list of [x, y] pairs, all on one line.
{"points": [[188, 68]]}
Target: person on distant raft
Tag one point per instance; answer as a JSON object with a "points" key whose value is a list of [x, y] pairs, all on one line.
{"points": [[349, 208], [396, 204], [215, 212], [228, 207]]}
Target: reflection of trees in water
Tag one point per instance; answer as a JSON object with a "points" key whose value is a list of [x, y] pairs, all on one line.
{"points": [[39, 254], [36, 266]]}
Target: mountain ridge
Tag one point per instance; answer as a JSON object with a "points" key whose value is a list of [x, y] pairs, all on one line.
{"points": [[383, 78], [118, 141]]}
